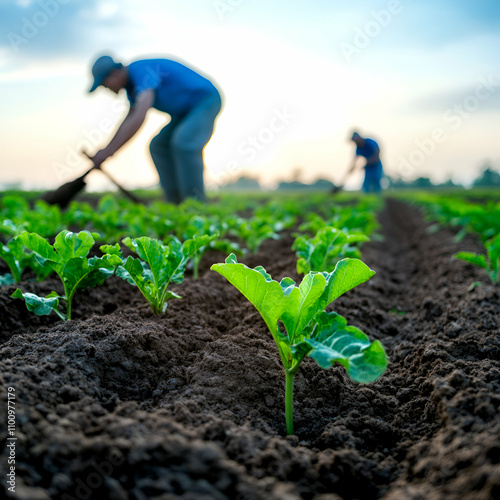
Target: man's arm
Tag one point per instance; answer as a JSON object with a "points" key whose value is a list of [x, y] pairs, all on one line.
{"points": [[129, 127], [353, 164]]}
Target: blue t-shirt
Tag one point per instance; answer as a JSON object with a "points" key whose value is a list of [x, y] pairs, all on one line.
{"points": [[177, 88], [367, 150]]}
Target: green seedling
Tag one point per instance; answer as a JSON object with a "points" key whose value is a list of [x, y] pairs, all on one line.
{"points": [[10, 229], [322, 252], [68, 259], [490, 262], [16, 258], [255, 231], [360, 220], [306, 329], [158, 266], [215, 229], [397, 311]]}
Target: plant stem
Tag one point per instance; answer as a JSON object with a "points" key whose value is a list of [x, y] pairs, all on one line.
{"points": [[69, 298], [289, 377], [68, 308], [196, 264]]}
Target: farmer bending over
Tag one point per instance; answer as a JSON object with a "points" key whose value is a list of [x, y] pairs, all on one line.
{"points": [[368, 148], [193, 104]]}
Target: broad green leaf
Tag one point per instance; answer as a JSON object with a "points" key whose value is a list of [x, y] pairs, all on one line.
{"points": [[231, 259], [41, 271], [472, 258], [175, 261], [40, 247], [39, 305], [109, 261], [357, 238], [134, 272], [74, 270], [363, 360], [194, 249], [70, 245], [14, 256], [256, 285], [171, 295], [197, 243], [348, 274], [303, 306], [82, 273], [8, 227], [152, 252]]}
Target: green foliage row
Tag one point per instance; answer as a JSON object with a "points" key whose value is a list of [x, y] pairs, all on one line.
{"points": [[324, 241], [115, 219], [295, 314], [468, 216]]}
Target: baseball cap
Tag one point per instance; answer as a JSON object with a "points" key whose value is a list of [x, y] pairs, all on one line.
{"points": [[101, 69]]}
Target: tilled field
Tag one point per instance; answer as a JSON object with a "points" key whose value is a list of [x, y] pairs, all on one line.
{"points": [[120, 404]]}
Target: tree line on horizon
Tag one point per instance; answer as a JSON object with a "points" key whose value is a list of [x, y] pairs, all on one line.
{"points": [[488, 177]]}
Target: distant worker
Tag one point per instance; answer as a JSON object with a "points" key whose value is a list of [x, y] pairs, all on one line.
{"points": [[369, 149], [191, 100]]}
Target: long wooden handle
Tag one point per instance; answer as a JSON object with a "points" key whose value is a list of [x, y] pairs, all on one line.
{"points": [[346, 176], [126, 192], [87, 172]]}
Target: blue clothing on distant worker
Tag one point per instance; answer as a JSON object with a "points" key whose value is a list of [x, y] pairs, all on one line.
{"points": [[177, 151], [373, 171], [368, 149], [178, 89], [373, 175], [193, 103]]}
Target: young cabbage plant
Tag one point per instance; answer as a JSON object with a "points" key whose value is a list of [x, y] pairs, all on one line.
{"points": [[490, 262], [256, 230], [307, 329], [68, 258], [360, 220], [13, 209], [158, 265], [322, 252], [16, 258], [215, 228], [11, 229]]}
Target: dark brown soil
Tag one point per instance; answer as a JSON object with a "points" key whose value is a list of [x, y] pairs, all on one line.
{"points": [[120, 404]]}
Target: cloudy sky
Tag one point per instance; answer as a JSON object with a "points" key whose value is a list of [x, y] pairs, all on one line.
{"points": [[421, 77]]}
